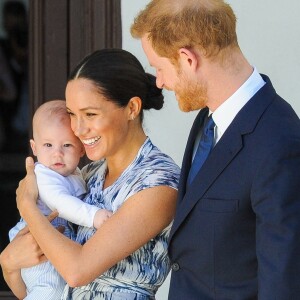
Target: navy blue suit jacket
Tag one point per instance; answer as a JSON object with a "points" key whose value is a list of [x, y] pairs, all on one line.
{"points": [[236, 233]]}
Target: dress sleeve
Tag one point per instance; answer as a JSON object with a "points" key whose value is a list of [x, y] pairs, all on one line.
{"points": [[55, 191]]}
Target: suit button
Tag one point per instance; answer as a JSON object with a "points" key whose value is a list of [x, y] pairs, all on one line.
{"points": [[175, 267]]}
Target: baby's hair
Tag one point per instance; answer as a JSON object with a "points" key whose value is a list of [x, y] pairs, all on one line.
{"points": [[50, 110]]}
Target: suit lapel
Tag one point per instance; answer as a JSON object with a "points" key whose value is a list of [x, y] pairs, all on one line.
{"points": [[222, 154]]}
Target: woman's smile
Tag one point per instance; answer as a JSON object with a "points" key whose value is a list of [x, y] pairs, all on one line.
{"points": [[91, 141]]}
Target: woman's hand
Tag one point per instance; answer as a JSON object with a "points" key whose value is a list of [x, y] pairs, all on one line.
{"points": [[22, 252], [27, 192]]}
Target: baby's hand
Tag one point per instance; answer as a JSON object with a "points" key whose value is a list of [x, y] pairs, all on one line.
{"points": [[101, 216]]}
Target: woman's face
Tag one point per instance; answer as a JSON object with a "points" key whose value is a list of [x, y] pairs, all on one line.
{"points": [[101, 125]]}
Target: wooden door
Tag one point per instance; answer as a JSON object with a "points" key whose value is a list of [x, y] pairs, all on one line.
{"points": [[61, 33]]}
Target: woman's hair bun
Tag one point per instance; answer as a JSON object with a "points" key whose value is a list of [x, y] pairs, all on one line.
{"points": [[155, 98]]}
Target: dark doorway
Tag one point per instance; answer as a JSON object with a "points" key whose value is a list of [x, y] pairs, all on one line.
{"points": [[14, 110], [60, 32]]}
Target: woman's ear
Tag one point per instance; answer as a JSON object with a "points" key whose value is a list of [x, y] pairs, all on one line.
{"points": [[134, 108], [189, 58], [32, 145]]}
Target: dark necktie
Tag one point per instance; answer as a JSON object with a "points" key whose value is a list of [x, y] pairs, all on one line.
{"points": [[205, 145]]}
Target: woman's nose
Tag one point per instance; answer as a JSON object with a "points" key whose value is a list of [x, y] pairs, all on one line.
{"points": [[79, 127]]}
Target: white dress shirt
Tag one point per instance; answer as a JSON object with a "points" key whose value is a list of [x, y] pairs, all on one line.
{"points": [[226, 112]]}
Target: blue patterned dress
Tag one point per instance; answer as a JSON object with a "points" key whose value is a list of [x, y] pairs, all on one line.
{"points": [[139, 275]]}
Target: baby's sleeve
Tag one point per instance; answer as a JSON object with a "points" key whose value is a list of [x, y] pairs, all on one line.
{"points": [[55, 191]]}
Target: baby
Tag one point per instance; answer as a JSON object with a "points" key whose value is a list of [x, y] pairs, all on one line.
{"points": [[61, 186]]}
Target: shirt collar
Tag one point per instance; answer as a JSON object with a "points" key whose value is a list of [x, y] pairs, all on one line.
{"points": [[227, 111]]}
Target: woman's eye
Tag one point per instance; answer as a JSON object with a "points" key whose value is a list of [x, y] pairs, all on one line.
{"points": [[90, 114], [70, 114]]}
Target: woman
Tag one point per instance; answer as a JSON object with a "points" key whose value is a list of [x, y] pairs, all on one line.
{"points": [[127, 257]]}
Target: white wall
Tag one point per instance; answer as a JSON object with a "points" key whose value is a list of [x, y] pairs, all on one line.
{"points": [[269, 35]]}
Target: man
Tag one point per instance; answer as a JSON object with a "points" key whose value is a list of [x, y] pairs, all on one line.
{"points": [[236, 233]]}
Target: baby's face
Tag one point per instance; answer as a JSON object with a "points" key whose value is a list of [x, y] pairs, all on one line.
{"points": [[56, 147]]}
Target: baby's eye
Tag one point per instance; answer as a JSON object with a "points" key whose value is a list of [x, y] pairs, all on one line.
{"points": [[48, 145], [67, 145]]}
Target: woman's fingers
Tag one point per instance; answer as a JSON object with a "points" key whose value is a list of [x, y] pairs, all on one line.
{"points": [[27, 190], [52, 216], [23, 231], [29, 164], [22, 252]]}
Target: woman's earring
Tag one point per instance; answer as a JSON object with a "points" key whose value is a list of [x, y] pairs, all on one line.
{"points": [[132, 118]]}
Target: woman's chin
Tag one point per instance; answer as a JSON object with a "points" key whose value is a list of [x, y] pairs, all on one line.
{"points": [[93, 154]]}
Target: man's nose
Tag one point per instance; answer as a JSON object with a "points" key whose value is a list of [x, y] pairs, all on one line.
{"points": [[159, 82]]}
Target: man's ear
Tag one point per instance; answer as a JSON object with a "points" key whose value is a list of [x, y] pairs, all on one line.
{"points": [[188, 58], [32, 145]]}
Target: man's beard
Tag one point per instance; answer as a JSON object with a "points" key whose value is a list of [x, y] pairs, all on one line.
{"points": [[191, 95]]}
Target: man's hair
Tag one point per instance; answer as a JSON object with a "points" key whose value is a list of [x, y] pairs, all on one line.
{"points": [[205, 25]]}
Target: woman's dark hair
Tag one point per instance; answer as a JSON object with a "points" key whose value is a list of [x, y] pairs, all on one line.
{"points": [[120, 76]]}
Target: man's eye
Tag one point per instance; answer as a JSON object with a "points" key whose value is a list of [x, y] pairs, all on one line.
{"points": [[90, 114]]}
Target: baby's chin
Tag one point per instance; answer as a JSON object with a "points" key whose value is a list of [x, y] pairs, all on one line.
{"points": [[60, 169]]}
